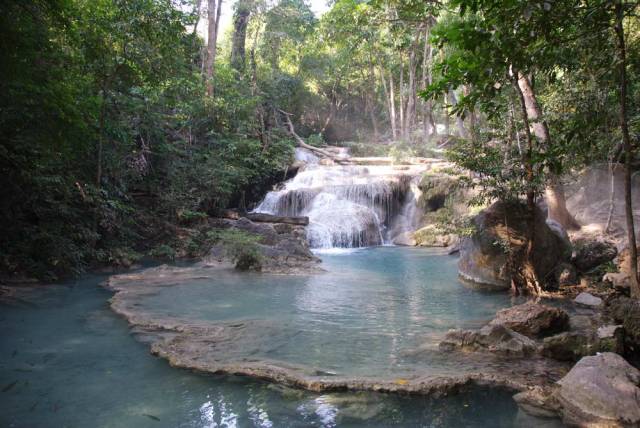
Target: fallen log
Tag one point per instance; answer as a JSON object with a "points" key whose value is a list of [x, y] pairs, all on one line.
{"points": [[262, 217], [268, 218]]}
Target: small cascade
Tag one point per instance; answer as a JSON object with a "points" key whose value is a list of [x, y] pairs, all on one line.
{"points": [[348, 206]]}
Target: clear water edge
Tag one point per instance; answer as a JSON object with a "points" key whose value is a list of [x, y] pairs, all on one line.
{"points": [[67, 360]]}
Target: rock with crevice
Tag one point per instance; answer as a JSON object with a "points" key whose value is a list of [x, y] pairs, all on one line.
{"points": [[533, 319]]}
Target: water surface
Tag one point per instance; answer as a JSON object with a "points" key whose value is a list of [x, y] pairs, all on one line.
{"points": [[67, 361]]}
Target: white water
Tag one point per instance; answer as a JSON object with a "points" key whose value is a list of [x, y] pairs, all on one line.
{"points": [[348, 206]]}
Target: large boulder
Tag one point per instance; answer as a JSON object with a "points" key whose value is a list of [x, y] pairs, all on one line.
{"points": [[599, 391], [591, 253], [533, 319], [483, 256]]}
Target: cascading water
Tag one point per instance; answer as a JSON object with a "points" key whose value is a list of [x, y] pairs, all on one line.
{"points": [[348, 206]]}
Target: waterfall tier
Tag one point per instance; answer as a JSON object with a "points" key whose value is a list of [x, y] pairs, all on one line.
{"points": [[349, 206]]}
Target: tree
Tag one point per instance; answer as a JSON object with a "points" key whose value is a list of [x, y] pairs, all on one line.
{"points": [[241, 14], [213, 20], [628, 149]]}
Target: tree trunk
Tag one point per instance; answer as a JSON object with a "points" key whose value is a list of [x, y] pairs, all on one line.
{"points": [[401, 96], [428, 126], [213, 15], [628, 150], [524, 277], [392, 102], [411, 93], [554, 192], [240, 21]]}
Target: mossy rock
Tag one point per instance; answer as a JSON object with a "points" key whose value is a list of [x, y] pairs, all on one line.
{"points": [[433, 236], [436, 189]]}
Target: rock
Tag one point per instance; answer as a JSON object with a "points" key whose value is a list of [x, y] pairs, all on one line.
{"points": [[600, 390], [538, 402], [566, 275], [626, 311], [490, 338], [436, 188], [567, 346], [483, 257], [557, 229], [591, 253], [571, 346], [405, 238], [619, 280], [611, 339], [533, 319], [587, 299], [432, 236], [283, 248]]}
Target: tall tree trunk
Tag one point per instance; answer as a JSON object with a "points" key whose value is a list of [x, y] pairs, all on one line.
{"points": [[554, 192], [628, 149], [403, 133], [411, 93], [386, 96], [213, 15], [428, 125], [524, 276], [392, 102], [240, 21]]}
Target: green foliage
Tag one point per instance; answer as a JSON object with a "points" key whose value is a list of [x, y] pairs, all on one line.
{"points": [[115, 86], [240, 246]]}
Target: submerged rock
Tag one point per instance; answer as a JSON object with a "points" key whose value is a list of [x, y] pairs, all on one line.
{"points": [[533, 319], [483, 257]]}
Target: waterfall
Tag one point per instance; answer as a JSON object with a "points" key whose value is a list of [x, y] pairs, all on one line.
{"points": [[348, 206]]}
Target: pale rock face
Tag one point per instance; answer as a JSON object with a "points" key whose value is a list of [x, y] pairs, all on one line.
{"points": [[587, 299], [601, 390]]}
